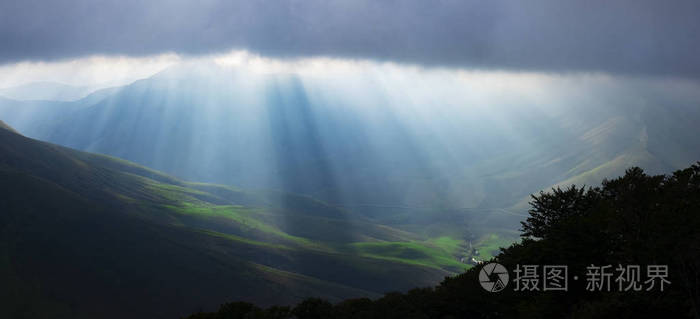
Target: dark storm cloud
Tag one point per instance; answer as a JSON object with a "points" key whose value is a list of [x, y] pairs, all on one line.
{"points": [[619, 36]]}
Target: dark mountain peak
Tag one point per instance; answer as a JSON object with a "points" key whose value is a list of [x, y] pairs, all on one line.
{"points": [[7, 127]]}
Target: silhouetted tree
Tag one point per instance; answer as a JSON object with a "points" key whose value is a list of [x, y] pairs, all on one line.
{"points": [[313, 308]]}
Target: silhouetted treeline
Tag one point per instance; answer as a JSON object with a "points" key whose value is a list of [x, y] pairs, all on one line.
{"points": [[636, 219]]}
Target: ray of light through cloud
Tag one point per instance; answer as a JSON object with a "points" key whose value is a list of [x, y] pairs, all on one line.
{"points": [[419, 126]]}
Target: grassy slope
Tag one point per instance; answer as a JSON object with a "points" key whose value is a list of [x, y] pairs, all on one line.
{"points": [[82, 233]]}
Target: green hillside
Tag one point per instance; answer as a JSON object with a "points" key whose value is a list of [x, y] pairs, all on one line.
{"points": [[636, 221], [87, 235]]}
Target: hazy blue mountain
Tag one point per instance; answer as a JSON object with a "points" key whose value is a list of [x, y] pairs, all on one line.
{"points": [[87, 236], [368, 149], [39, 117], [48, 91]]}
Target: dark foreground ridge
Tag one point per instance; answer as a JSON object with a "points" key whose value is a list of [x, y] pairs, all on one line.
{"points": [[90, 236], [636, 219]]}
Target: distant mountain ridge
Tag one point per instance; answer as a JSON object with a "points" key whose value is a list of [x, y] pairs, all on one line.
{"points": [[47, 91]]}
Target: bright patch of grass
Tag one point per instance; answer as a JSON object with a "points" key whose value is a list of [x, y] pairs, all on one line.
{"points": [[417, 253], [246, 218], [490, 245], [448, 244], [175, 193]]}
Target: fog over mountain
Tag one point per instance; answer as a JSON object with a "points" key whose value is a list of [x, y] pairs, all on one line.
{"points": [[394, 141]]}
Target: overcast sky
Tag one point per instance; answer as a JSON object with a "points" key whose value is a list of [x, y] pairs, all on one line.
{"points": [[645, 37]]}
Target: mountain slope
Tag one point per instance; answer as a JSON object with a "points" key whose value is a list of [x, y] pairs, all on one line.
{"points": [[90, 236], [3, 125]]}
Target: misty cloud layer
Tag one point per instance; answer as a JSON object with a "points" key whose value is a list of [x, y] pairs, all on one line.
{"points": [[627, 37]]}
